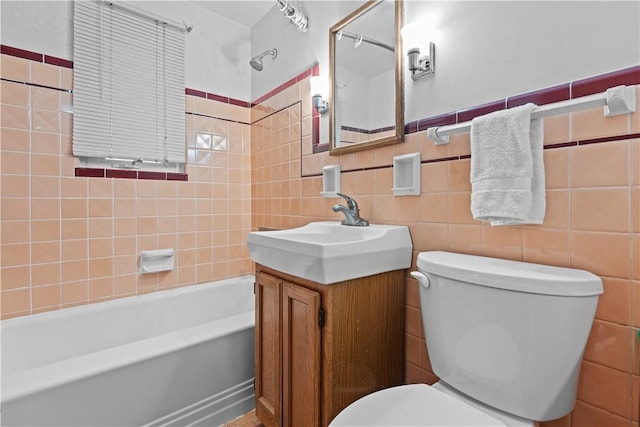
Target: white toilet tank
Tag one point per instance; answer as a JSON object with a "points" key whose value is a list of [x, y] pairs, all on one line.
{"points": [[508, 334]]}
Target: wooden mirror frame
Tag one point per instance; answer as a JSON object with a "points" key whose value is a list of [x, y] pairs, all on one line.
{"points": [[399, 82]]}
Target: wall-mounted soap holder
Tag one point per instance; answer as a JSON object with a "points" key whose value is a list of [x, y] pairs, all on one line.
{"points": [[156, 261], [330, 181], [406, 175]]}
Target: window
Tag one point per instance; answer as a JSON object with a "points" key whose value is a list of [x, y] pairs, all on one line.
{"points": [[128, 89]]}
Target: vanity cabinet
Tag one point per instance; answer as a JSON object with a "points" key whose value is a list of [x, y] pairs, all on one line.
{"points": [[321, 347]]}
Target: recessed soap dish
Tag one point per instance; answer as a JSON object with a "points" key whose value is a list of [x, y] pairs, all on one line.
{"points": [[330, 181], [157, 260], [406, 175]]}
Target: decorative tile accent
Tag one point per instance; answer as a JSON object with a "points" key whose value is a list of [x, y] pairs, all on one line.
{"points": [[220, 143], [203, 140]]}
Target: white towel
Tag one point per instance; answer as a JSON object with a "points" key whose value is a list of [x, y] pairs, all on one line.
{"points": [[507, 167]]}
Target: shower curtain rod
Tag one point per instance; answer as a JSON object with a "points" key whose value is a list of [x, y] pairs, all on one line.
{"points": [[365, 39], [616, 100]]}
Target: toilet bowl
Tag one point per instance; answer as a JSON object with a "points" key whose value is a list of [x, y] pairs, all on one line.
{"points": [[504, 337], [420, 405]]}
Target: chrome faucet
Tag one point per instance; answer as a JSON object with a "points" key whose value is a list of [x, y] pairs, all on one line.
{"points": [[351, 212]]}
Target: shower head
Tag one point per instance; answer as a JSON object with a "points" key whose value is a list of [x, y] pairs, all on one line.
{"points": [[256, 61]]}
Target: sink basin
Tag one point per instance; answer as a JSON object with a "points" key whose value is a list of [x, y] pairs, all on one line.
{"points": [[329, 252]]}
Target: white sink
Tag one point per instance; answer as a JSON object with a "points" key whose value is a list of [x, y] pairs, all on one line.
{"points": [[329, 252]]}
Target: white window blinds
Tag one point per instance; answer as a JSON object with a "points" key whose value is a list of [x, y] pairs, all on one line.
{"points": [[128, 86]]}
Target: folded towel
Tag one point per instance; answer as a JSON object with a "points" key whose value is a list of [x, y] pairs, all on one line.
{"points": [[507, 168]]}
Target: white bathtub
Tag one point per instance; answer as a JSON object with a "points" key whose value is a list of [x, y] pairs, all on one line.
{"points": [[179, 357]]}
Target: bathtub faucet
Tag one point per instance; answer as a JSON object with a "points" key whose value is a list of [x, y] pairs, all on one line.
{"points": [[351, 212]]}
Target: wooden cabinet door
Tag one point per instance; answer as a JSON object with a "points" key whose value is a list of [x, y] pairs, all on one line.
{"points": [[301, 356], [268, 348]]}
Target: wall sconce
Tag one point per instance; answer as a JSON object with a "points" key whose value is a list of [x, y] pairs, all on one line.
{"points": [[317, 90], [419, 66]]}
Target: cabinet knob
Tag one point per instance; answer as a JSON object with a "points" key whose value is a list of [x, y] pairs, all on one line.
{"points": [[423, 279]]}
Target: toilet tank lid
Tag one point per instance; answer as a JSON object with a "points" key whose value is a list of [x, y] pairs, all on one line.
{"points": [[510, 275]]}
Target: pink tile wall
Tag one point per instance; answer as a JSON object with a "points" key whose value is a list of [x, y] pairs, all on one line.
{"points": [[71, 238], [592, 222]]}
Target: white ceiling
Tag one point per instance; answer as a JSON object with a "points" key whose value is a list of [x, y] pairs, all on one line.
{"points": [[245, 12]]}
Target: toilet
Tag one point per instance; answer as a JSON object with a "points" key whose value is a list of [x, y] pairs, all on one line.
{"points": [[505, 339]]}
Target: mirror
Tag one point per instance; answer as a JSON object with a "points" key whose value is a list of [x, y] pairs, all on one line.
{"points": [[366, 79]]}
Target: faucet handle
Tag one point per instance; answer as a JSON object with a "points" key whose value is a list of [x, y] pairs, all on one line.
{"points": [[351, 204]]}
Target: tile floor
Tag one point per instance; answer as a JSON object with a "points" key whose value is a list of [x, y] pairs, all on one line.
{"points": [[247, 420]]}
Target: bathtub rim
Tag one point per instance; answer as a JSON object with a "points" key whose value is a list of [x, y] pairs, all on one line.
{"points": [[125, 300], [21, 383]]}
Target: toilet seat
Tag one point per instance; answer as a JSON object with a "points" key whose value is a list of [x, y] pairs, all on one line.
{"points": [[412, 405]]}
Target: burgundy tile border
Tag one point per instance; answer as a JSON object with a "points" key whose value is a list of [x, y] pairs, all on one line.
{"points": [[608, 139], [130, 174], [480, 110], [411, 127], [218, 98], [35, 56], [122, 173], [194, 92], [65, 63], [367, 131], [468, 156], [214, 97], [214, 117], [21, 53], [541, 97], [59, 62], [314, 70], [575, 89], [90, 172], [596, 84], [289, 83], [239, 103], [173, 176], [441, 120], [561, 145], [384, 129], [441, 159], [321, 148], [160, 176], [36, 85], [259, 100]]}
